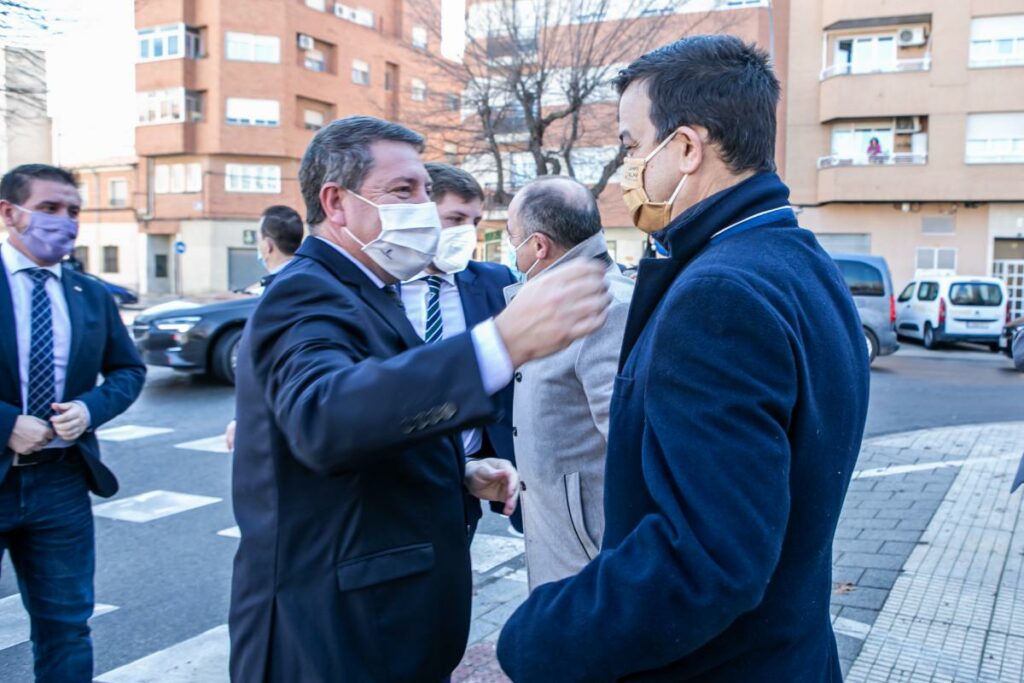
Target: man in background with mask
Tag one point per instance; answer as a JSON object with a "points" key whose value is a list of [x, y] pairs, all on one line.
{"points": [[562, 401], [60, 331], [349, 473], [737, 414], [455, 293]]}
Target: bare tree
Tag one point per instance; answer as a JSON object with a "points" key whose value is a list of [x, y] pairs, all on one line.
{"points": [[534, 79]]}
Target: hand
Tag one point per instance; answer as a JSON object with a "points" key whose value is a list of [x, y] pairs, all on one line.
{"points": [[493, 479], [29, 435], [549, 314], [71, 420], [229, 435]]}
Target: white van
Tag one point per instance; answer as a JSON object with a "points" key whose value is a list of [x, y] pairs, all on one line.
{"points": [[953, 309]]}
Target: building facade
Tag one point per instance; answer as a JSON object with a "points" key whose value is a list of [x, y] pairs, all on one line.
{"points": [[905, 133], [228, 99], [24, 124]]}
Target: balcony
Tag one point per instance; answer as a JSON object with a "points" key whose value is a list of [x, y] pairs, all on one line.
{"points": [[874, 95], [897, 159], [898, 66]]}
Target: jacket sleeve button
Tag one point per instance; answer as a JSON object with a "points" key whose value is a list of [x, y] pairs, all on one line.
{"points": [[519, 376]]}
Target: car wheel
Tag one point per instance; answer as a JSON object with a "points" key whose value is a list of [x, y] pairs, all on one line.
{"points": [[994, 347], [225, 356], [930, 342], [872, 343]]}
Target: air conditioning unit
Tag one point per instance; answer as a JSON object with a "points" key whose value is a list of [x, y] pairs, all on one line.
{"points": [[911, 37], [306, 42], [908, 124]]}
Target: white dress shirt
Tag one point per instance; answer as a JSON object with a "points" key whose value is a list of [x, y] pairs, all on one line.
{"points": [[453, 322], [21, 284]]}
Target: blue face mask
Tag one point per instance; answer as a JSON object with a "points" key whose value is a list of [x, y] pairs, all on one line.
{"points": [[659, 248], [513, 264], [259, 257]]}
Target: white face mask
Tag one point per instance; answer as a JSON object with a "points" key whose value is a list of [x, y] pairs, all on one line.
{"points": [[455, 248], [408, 238]]}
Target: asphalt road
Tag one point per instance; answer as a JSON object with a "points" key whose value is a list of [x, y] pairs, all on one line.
{"points": [[168, 578]]}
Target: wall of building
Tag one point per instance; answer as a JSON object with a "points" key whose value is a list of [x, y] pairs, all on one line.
{"points": [[204, 265]]}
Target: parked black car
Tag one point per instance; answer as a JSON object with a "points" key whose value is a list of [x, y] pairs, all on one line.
{"points": [[195, 337], [1007, 342]]}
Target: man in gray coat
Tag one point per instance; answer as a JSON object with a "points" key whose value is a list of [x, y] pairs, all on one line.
{"points": [[561, 402]]}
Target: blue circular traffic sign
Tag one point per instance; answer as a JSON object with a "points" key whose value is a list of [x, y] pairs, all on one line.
{"points": [[179, 247]]}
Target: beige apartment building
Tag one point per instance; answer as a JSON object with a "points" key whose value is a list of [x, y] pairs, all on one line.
{"points": [[905, 133]]}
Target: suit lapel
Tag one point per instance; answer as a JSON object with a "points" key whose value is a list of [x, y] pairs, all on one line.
{"points": [[375, 298], [653, 279], [9, 340], [474, 303], [73, 295]]}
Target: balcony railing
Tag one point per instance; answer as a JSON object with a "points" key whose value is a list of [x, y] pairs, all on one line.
{"points": [[898, 159], [997, 61], [1011, 158], [898, 66]]}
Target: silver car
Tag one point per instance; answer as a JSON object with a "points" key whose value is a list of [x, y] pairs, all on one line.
{"points": [[871, 286]]}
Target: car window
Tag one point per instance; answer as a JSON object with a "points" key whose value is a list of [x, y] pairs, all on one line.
{"points": [[907, 292], [928, 291], [861, 278], [975, 294]]}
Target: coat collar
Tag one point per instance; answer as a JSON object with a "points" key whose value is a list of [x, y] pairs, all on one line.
{"points": [[688, 235], [346, 271], [595, 247]]}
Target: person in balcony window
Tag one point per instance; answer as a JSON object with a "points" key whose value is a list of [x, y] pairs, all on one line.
{"points": [[875, 155]]}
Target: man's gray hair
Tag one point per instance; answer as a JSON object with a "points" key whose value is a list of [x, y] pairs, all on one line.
{"points": [[561, 208], [340, 153]]}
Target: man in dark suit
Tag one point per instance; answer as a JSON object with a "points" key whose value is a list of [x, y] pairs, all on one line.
{"points": [[737, 414], [456, 293], [349, 470], [61, 332]]}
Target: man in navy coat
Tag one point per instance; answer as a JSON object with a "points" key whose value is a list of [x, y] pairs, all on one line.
{"points": [[737, 413], [456, 293], [349, 467], [60, 331]]}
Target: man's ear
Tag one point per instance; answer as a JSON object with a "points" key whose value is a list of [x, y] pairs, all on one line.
{"points": [[545, 247], [8, 213], [691, 149], [331, 195]]}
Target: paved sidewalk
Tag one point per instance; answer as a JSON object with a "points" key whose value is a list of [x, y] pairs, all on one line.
{"points": [[928, 564]]}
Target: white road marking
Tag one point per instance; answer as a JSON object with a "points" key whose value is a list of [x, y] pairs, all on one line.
{"points": [[213, 444], [488, 551], [202, 659], [14, 621], [849, 627], [151, 505], [130, 432], [924, 466], [233, 532]]}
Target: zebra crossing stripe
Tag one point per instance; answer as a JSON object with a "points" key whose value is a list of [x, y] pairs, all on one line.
{"points": [[14, 621], [233, 532], [151, 505], [212, 444], [129, 432], [201, 659]]}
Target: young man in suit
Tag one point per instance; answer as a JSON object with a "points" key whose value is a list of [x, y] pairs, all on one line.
{"points": [[456, 293], [61, 333], [349, 471], [737, 413]]}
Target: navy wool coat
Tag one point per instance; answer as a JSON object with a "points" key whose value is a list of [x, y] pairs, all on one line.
{"points": [[736, 421]]}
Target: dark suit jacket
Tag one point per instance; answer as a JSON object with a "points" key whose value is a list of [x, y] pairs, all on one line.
{"points": [[735, 425], [353, 563], [100, 345], [481, 288]]}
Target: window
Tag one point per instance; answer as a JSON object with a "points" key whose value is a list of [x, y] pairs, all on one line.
{"points": [[997, 41], [453, 102], [178, 178], [744, 3], [907, 292], [360, 72], [317, 4], [844, 242], [861, 278], [82, 255], [975, 294], [938, 225], [246, 112], [363, 17], [159, 265], [249, 47], [312, 119], [855, 143], [419, 37], [865, 54], [110, 260], [168, 42], [174, 105], [928, 291], [83, 192], [932, 258], [118, 192], [314, 60], [995, 138], [419, 90], [252, 178]]}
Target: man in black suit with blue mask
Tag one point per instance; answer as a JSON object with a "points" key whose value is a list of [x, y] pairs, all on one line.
{"points": [[349, 471]]}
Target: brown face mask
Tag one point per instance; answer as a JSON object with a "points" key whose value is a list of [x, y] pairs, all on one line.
{"points": [[647, 215]]}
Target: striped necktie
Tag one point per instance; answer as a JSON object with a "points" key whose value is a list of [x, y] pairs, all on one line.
{"points": [[42, 383], [434, 327]]}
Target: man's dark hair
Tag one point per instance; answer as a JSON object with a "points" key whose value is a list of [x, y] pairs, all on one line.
{"points": [[340, 153], [283, 225], [16, 186], [559, 207], [447, 179], [717, 82]]}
